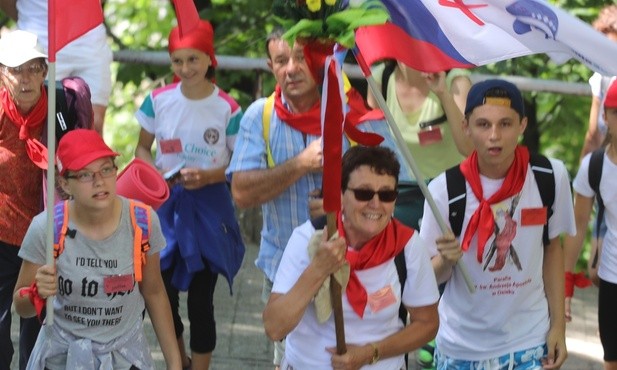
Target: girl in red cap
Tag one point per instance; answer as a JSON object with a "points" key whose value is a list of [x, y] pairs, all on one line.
{"points": [[99, 289], [194, 124]]}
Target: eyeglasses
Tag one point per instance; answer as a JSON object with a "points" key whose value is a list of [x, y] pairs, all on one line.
{"points": [[33, 69], [88, 176], [365, 195]]}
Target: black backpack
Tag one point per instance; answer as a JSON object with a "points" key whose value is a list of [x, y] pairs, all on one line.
{"points": [[457, 192], [594, 175], [73, 105]]}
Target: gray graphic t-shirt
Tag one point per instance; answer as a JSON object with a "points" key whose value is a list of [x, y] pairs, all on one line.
{"points": [[97, 298]]}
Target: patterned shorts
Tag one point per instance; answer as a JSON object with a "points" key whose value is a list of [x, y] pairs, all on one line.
{"points": [[527, 359]]}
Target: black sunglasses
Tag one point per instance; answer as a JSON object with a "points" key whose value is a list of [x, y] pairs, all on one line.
{"points": [[365, 195]]}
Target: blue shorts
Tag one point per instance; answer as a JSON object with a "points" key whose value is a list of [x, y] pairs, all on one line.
{"points": [[527, 359]]}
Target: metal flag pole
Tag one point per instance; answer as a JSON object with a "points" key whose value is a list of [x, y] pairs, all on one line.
{"points": [[402, 146], [51, 179]]}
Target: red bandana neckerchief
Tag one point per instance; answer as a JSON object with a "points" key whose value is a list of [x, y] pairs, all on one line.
{"points": [[482, 219], [37, 152], [382, 247], [309, 122]]}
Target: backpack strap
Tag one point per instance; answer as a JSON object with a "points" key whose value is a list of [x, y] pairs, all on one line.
{"points": [[596, 162], [457, 198], [545, 178], [64, 122], [61, 226], [266, 118], [141, 221], [401, 269]]}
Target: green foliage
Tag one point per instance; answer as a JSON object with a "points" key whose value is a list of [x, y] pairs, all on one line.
{"points": [[145, 26]]}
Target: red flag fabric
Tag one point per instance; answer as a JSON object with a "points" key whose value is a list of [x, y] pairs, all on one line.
{"points": [[332, 121], [69, 19], [187, 15], [417, 54]]}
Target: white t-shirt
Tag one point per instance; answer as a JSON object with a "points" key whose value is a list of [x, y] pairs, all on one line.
{"points": [[509, 310], [608, 259], [306, 344], [204, 129]]}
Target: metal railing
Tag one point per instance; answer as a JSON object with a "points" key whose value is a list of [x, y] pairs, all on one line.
{"points": [[227, 62]]}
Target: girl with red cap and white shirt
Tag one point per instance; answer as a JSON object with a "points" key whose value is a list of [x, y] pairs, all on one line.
{"points": [[194, 124]]}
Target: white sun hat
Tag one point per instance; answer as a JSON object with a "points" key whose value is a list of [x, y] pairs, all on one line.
{"points": [[18, 47]]}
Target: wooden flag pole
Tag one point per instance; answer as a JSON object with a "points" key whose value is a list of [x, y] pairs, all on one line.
{"points": [[336, 296]]}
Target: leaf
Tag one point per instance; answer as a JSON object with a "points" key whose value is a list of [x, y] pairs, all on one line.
{"points": [[304, 28]]}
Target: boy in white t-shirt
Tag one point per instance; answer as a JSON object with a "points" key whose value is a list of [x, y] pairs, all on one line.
{"points": [[515, 317], [584, 196]]}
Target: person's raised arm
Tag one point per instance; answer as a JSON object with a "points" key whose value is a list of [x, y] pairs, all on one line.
{"points": [[453, 102], [254, 187], [593, 136], [157, 304]]}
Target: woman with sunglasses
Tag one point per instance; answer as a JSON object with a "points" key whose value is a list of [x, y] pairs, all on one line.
{"points": [[368, 241], [99, 296]]}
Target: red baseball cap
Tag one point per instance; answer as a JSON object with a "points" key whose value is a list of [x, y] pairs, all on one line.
{"points": [[610, 101], [78, 148]]}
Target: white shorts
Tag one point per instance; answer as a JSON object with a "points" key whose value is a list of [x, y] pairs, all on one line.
{"points": [[88, 57]]}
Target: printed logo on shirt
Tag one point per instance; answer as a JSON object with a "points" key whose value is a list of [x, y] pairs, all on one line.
{"points": [[211, 136], [504, 231]]}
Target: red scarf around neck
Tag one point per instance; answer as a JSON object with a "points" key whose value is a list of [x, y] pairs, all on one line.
{"points": [[309, 122], [37, 152], [382, 247], [482, 219]]}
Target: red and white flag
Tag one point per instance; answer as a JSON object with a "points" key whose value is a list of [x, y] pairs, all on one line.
{"points": [[69, 19]]}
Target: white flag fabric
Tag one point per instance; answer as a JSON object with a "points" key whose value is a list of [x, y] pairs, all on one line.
{"points": [[478, 32]]}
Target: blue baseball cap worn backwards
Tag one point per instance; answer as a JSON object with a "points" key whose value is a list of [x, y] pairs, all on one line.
{"points": [[477, 96]]}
